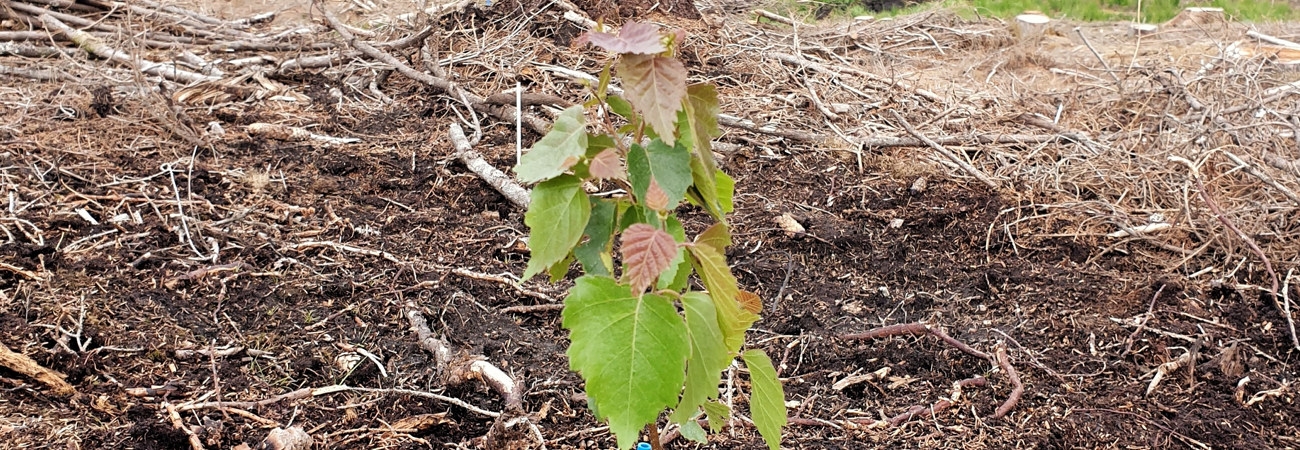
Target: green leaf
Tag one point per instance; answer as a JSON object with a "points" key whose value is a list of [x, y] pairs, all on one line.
{"points": [[559, 150], [711, 264], [697, 123], [704, 189], [716, 236], [555, 218], [691, 430], [619, 105], [632, 214], [630, 349], [767, 399], [560, 269], [718, 413], [655, 85], [598, 142], [595, 254], [709, 356], [603, 86], [677, 274], [726, 191], [699, 126], [668, 166]]}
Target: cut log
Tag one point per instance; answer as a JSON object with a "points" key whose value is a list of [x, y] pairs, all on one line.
{"points": [[1198, 17], [1031, 25]]}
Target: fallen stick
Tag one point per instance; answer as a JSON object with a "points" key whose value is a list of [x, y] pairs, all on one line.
{"points": [[1017, 388], [256, 46], [533, 308], [306, 393], [1141, 323], [294, 134], [774, 17], [28, 367], [20, 271], [498, 180], [1026, 139], [747, 125], [1273, 40], [1042, 122], [463, 369], [889, 142], [67, 4], [196, 274], [189, 22], [1104, 64], [840, 70], [502, 281], [1255, 172], [98, 48], [327, 60], [19, 36], [966, 166], [179, 424], [345, 248], [103, 30], [916, 329], [921, 411], [33, 11]]}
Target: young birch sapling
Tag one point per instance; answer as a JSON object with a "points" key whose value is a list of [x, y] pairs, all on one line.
{"points": [[643, 340]]}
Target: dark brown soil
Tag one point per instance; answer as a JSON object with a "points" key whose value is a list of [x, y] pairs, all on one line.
{"points": [[114, 304]]}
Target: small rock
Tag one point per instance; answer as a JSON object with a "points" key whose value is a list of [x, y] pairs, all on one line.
{"points": [[918, 186], [791, 227]]}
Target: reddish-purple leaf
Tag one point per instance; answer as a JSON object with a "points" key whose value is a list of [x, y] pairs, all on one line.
{"points": [[750, 301], [647, 251], [607, 165], [634, 37], [655, 197], [655, 85]]}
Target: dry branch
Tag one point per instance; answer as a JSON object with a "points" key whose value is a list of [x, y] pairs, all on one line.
{"points": [[98, 48], [461, 369], [1017, 388], [965, 165], [497, 179]]}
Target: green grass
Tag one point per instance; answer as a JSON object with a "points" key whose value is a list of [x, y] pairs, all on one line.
{"points": [[1151, 11]]}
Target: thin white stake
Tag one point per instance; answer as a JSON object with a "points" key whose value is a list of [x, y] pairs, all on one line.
{"points": [[519, 121]]}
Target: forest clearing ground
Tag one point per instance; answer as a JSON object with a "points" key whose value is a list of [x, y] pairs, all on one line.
{"points": [[139, 243]]}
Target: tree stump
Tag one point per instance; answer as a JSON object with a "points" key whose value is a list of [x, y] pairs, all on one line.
{"points": [[1198, 17], [1031, 25], [1142, 29]]}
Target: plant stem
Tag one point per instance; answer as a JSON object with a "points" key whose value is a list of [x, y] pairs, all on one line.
{"points": [[653, 428]]}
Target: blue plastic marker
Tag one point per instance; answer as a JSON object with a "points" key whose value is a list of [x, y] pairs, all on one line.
{"points": [[643, 446]]}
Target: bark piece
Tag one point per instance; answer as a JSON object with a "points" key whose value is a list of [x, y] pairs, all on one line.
{"points": [[25, 365]]}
